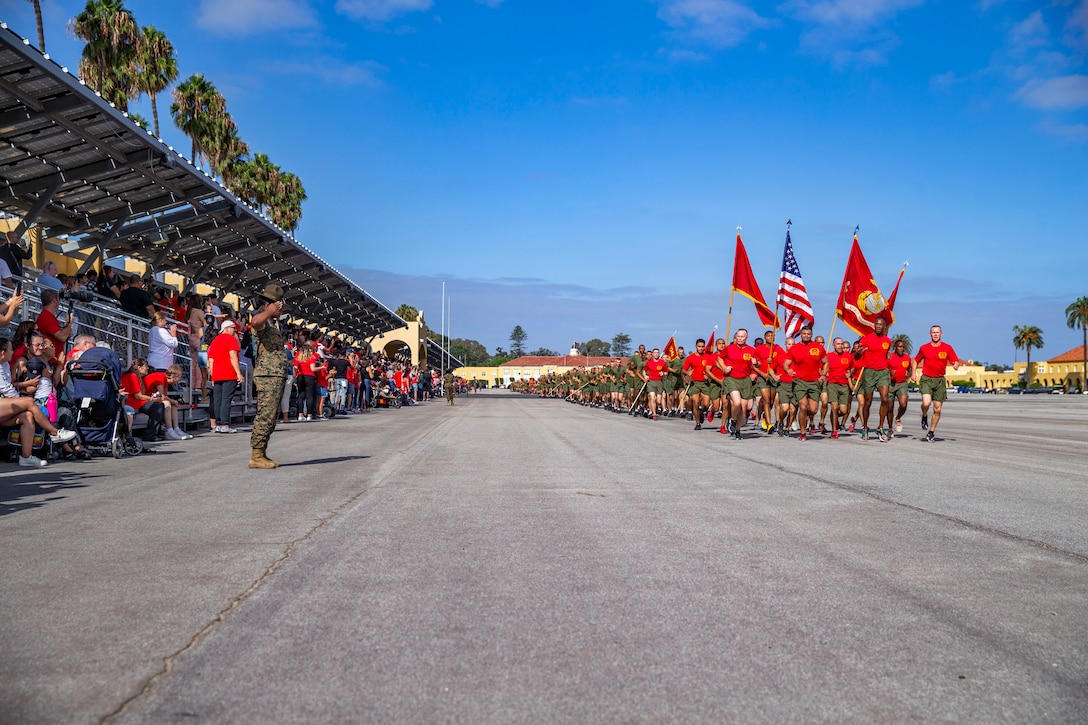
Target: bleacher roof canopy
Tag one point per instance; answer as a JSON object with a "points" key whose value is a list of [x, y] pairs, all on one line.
{"points": [[75, 165]]}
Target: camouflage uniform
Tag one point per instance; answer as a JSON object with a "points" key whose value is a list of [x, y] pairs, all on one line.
{"points": [[448, 383], [270, 371]]}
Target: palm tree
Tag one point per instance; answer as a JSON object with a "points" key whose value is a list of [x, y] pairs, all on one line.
{"points": [[108, 64], [286, 202], [157, 67], [41, 28], [1076, 315], [407, 313], [1025, 338], [223, 148], [908, 345], [196, 108]]}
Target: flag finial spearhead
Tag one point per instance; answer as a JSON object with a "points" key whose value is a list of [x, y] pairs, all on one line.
{"points": [[788, 223]]}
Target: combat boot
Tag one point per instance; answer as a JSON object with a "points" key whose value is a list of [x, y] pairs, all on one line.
{"points": [[259, 460]]}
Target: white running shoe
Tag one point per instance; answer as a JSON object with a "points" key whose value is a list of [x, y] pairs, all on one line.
{"points": [[31, 462], [898, 426], [173, 435], [63, 435]]}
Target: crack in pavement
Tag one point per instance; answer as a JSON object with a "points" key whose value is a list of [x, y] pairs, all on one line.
{"points": [[170, 661]]}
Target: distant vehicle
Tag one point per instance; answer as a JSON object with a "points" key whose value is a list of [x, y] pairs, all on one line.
{"points": [[1057, 391]]}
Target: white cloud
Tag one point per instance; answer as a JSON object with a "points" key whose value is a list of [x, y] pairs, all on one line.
{"points": [[1073, 131], [252, 17], [1031, 32], [849, 32], [379, 11], [851, 14], [719, 23], [1054, 94], [490, 3], [333, 71], [1076, 26]]}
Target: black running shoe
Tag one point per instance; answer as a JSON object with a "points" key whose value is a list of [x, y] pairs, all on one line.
{"points": [[698, 426], [925, 422], [737, 436], [731, 425], [929, 437]]}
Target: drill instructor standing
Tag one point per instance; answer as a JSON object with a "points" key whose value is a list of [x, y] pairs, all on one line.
{"points": [[270, 371]]}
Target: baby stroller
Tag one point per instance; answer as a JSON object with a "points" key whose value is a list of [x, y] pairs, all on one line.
{"points": [[99, 413]]}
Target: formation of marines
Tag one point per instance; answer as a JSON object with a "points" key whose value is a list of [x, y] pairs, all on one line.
{"points": [[793, 388]]}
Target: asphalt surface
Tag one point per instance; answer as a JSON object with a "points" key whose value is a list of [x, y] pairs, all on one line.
{"points": [[512, 559]]}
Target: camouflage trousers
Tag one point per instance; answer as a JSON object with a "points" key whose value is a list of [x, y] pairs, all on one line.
{"points": [[269, 393]]}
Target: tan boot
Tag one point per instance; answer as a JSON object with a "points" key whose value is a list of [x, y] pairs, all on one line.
{"points": [[259, 460]]}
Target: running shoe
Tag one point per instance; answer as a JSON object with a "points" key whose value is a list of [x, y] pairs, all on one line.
{"points": [[710, 416], [925, 422], [737, 436], [898, 426], [834, 434], [883, 436], [823, 429], [63, 435], [801, 436], [655, 416], [851, 427], [723, 431], [929, 437], [731, 425], [698, 426], [864, 433], [31, 462]]}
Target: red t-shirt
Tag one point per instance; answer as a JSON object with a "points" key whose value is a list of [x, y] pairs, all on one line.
{"points": [[696, 363], [305, 367], [219, 356], [839, 367], [778, 359], [656, 369], [712, 369], [49, 326], [130, 385], [899, 367], [322, 377], [935, 359], [806, 361], [152, 381], [740, 359], [876, 351]]}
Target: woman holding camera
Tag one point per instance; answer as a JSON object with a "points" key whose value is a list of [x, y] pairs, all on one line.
{"points": [[162, 341]]}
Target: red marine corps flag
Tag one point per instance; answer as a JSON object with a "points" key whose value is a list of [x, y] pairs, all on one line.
{"points": [[671, 353], [745, 283], [860, 301]]}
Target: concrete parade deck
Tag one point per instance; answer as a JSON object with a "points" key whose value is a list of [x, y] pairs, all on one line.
{"points": [[512, 559]]}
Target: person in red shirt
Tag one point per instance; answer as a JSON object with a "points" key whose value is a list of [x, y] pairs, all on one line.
{"points": [[48, 324], [874, 378], [655, 370], [787, 406], [840, 365], [806, 361], [900, 366], [225, 372], [140, 400], [738, 362], [935, 357], [158, 385], [694, 372], [715, 380]]}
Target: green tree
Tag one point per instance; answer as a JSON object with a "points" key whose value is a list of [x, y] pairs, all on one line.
{"points": [[139, 121], [197, 107], [108, 63], [156, 67], [470, 352], [594, 348], [407, 313], [544, 352], [517, 341], [1076, 315], [286, 202], [1025, 338], [621, 344], [38, 18], [906, 341]]}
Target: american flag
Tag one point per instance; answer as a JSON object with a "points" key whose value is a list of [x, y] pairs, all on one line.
{"points": [[792, 296]]}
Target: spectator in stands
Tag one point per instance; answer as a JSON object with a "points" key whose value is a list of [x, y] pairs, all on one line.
{"points": [[13, 253], [198, 348], [107, 284], [22, 413], [225, 372], [135, 300], [49, 325], [158, 384], [141, 400], [8, 307], [211, 307], [162, 341], [306, 365], [89, 348], [48, 277]]}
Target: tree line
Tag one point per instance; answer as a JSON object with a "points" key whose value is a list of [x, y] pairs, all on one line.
{"points": [[123, 61]]}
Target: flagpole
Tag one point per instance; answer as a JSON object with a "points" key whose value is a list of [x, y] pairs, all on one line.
{"points": [[778, 296], [732, 289], [835, 317]]}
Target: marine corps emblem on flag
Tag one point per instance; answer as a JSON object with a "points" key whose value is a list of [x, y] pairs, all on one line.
{"points": [[872, 301]]}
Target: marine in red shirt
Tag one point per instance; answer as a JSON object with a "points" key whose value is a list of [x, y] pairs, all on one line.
{"points": [[694, 371], [935, 357], [874, 378], [655, 370], [739, 361], [840, 364], [806, 361], [899, 371]]}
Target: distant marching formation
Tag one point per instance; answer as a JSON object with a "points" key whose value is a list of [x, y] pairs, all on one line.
{"points": [[784, 388]]}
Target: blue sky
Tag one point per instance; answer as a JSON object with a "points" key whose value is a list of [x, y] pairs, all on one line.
{"points": [[580, 168]]}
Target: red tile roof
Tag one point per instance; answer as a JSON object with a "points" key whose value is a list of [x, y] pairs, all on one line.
{"points": [[563, 361], [1074, 355]]}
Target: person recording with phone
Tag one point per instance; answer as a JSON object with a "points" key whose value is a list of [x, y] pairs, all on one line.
{"points": [[13, 253], [48, 323], [8, 306]]}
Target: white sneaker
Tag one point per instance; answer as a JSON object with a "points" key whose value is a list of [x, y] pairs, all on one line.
{"points": [[63, 435], [217, 429], [173, 435], [898, 426], [184, 435], [32, 462]]}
